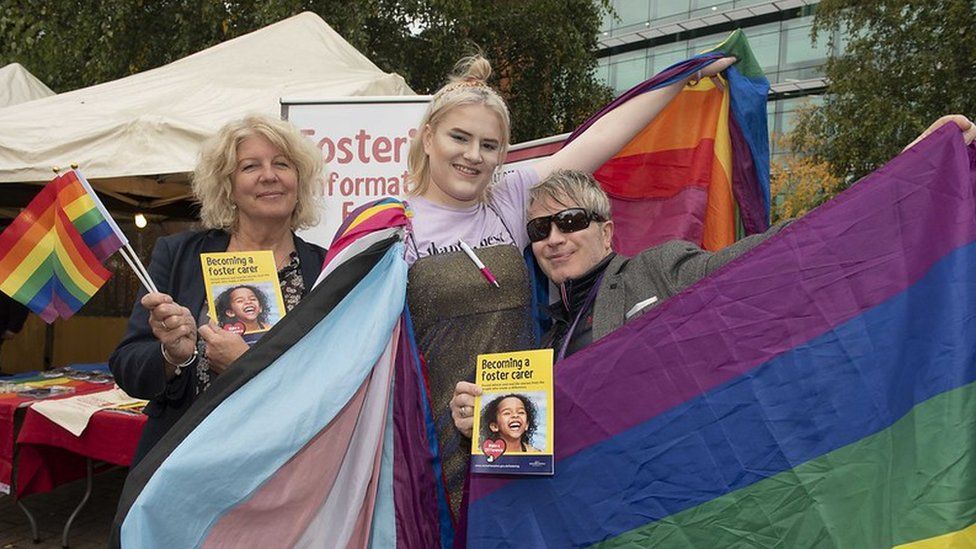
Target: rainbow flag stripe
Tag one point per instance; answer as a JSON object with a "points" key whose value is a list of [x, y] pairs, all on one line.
{"points": [[818, 391], [383, 214], [47, 261], [700, 170]]}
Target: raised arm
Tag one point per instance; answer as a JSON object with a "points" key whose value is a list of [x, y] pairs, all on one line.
{"points": [[967, 126], [615, 129]]}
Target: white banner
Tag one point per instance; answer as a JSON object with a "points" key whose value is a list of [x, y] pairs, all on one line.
{"points": [[364, 142]]}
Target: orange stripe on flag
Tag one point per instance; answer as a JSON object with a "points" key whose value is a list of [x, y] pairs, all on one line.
{"points": [[689, 118], [719, 228], [30, 239], [84, 261], [69, 190]]}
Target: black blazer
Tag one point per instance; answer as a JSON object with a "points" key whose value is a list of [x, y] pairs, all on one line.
{"points": [[137, 363]]}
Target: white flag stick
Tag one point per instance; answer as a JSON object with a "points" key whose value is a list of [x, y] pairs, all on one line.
{"points": [[137, 268], [127, 253]]}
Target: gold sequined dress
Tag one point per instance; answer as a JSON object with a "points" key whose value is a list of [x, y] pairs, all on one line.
{"points": [[458, 315]]}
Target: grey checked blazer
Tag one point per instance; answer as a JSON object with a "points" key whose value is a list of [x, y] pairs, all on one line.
{"points": [[631, 284]]}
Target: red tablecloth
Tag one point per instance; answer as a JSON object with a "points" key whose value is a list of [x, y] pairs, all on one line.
{"points": [[10, 402], [50, 456]]}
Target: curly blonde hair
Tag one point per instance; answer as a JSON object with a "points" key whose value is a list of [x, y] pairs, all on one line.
{"points": [[212, 184], [468, 86]]}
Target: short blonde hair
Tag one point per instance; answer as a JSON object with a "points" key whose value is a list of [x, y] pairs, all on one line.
{"points": [[218, 160], [468, 86], [579, 188]]}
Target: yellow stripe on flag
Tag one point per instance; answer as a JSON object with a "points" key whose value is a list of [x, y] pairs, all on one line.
{"points": [[961, 539], [369, 213], [31, 262], [719, 226], [71, 269], [79, 207]]}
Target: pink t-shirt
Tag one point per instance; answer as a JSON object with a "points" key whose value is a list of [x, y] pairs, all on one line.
{"points": [[437, 228]]}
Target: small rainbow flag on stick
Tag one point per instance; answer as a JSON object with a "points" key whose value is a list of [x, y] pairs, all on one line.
{"points": [[51, 255]]}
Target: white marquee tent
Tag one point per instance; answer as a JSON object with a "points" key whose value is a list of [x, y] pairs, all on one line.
{"points": [[137, 138], [18, 85]]}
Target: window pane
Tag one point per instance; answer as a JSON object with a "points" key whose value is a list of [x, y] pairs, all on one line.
{"points": [[628, 71], [771, 117], [799, 49], [705, 8], [790, 108], [699, 45], [602, 71], [609, 22], [665, 8], [665, 56], [632, 12], [764, 41]]}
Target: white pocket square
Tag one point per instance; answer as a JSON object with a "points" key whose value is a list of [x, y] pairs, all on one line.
{"points": [[640, 306]]}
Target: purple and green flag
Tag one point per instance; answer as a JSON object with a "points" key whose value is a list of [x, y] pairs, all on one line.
{"points": [[816, 392]]}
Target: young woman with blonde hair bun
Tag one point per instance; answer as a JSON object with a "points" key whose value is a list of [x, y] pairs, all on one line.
{"points": [[459, 193]]}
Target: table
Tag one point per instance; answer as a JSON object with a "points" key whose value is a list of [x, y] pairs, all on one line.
{"points": [[48, 456], [12, 405]]}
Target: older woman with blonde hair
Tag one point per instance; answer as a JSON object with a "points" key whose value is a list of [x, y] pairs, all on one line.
{"points": [[460, 195], [254, 182]]}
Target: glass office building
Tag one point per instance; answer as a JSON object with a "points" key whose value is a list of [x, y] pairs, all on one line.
{"points": [[650, 35]]}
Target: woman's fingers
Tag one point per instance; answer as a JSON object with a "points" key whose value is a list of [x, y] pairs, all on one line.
{"points": [[154, 299], [718, 66]]}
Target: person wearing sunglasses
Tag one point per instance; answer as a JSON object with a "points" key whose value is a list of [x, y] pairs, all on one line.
{"points": [[570, 230], [599, 290]]}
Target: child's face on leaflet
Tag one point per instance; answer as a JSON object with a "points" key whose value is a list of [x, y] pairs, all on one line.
{"points": [[511, 421]]}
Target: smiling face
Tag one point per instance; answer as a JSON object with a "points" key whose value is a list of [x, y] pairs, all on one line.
{"points": [[567, 256], [264, 184], [463, 149], [244, 305], [511, 420]]}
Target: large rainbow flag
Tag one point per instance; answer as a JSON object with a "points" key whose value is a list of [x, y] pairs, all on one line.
{"points": [[816, 392], [700, 170], [320, 435], [51, 254]]}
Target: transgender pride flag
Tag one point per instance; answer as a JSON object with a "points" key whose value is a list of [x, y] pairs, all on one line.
{"points": [[700, 170], [816, 392], [319, 436]]}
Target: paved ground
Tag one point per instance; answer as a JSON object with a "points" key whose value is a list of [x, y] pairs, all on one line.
{"points": [[90, 528]]}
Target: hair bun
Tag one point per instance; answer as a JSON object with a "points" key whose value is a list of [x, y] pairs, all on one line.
{"points": [[474, 69]]}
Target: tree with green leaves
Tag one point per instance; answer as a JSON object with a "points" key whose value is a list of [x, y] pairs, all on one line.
{"points": [[903, 64], [541, 49]]}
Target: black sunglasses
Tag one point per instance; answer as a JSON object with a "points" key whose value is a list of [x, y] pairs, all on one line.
{"points": [[569, 220]]}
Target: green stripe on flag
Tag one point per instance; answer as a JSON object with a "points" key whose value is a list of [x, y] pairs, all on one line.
{"points": [[68, 282], [912, 481], [737, 44], [87, 220], [36, 281]]}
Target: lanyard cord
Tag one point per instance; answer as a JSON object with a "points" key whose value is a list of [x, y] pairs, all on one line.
{"points": [[590, 297]]}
